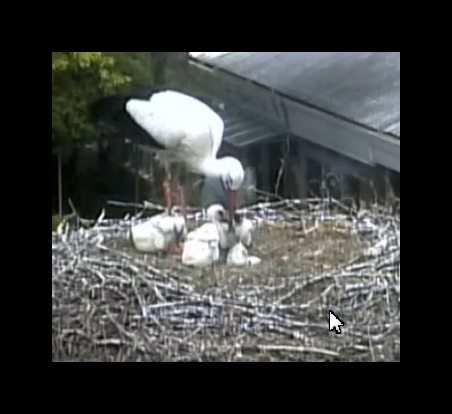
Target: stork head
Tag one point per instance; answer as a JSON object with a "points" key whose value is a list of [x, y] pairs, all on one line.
{"points": [[231, 173], [232, 176]]}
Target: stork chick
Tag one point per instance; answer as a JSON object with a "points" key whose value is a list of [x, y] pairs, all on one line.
{"points": [[202, 246], [243, 230], [161, 233], [238, 256], [218, 215]]}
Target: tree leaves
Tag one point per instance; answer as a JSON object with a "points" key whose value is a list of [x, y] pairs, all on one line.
{"points": [[78, 78]]}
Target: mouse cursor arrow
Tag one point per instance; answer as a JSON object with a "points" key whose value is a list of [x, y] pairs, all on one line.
{"points": [[335, 323]]}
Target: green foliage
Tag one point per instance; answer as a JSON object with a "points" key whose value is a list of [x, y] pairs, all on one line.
{"points": [[135, 65], [78, 78], [56, 220]]}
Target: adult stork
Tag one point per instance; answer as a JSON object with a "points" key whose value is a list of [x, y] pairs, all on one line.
{"points": [[182, 130]]}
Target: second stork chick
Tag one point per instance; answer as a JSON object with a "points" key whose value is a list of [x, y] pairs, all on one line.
{"points": [[161, 233], [218, 215], [202, 247], [243, 230], [238, 257]]}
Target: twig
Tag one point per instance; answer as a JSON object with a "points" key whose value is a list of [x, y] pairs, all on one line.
{"points": [[283, 165], [109, 303], [291, 349]]}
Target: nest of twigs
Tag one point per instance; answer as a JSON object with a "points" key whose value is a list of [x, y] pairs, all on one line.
{"points": [[110, 303]]}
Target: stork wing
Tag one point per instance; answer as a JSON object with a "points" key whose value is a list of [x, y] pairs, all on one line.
{"points": [[194, 114], [168, 117], [159, 125]]}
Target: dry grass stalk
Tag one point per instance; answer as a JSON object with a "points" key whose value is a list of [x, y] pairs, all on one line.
{"points": [[111, 304]]}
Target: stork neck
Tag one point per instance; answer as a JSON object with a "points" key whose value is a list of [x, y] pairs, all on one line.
{"points": [[212, 167]]}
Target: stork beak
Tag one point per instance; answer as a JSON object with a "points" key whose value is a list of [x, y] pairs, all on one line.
{"points": [[232, 205]]}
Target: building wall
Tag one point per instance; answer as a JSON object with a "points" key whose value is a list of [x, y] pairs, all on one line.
{"points": [[287, 167], [294, 168]]}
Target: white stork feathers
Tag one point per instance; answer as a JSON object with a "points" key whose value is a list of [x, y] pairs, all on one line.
{"points": [[159, 233], [238, 256], [217, 214], [179, 122], [243, 230], [179, 126], [205, 245], [202, 247]]}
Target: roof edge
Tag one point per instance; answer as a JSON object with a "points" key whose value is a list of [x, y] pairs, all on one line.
{"points": [[335, 133]]}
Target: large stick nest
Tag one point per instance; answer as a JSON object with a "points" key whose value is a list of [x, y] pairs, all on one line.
{"points": [[112, 304]]}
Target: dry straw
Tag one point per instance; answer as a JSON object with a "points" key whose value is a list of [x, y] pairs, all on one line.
{"points": [[112, 304]]}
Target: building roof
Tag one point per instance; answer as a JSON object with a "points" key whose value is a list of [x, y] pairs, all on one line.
{"points": [[363, 87], [242, 130]]}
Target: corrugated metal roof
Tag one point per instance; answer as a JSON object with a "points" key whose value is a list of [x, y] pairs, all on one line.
{"points": [[241, 130], [209, 54], [361, 86]]}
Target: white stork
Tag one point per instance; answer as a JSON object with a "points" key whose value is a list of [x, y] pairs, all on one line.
{"points": [[181, 129]]}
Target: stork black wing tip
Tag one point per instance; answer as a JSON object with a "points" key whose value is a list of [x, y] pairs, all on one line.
{"points": [[107, 107]]}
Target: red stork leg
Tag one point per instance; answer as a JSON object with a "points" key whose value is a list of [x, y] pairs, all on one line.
{"points": [[175, 192], [175, 250], [238, 200], [167, 191], [231, 201], [182, 200]]}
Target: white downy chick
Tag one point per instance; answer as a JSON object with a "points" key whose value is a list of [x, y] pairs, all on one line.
{"points": [[243, 230], [217, 214], [238, 257], [159, 233], [202, 246]]}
